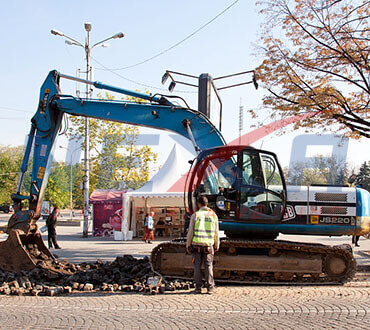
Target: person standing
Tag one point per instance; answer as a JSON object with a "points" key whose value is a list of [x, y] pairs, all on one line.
{"points": [[51, 223], [145, 228], [187, 217], [355, 239], [160, 230], [149, 228], [202, 241]]}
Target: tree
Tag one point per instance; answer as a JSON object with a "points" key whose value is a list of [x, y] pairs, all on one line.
{"points": [[319, 64], [77, 192], [57, 189], [131, 166], [319, 170], [363, 176], [10, 161], [58, 186], [55, 195], [115, 156]]}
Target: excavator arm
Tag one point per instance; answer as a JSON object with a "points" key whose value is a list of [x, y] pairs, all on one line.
{"points": [[157, 113]]}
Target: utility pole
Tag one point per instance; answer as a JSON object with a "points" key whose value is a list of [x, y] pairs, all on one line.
{"points": [[241, 110], [87, 48], [86, 178]]}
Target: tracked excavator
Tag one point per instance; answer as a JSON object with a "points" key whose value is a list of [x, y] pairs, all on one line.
{"points": [[245, 187]]}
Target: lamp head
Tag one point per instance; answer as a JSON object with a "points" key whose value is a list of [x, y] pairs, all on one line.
{"points": [[172, 86], [165, 77], [57, 33], [88, 26], [118, 35]]}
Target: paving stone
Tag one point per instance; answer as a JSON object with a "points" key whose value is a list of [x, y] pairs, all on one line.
{"points": [[230, 307]]}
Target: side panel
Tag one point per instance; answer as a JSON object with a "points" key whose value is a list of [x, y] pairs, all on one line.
{"points": [[320, 210]]}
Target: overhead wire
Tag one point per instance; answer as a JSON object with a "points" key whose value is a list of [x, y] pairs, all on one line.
{"points": [[177, 43], [14, 109], [13, 118], [137, 82]]}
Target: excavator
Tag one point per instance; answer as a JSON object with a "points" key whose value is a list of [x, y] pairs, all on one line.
{"points": [[245, 187]]}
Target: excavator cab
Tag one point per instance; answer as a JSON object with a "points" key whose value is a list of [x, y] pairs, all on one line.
{"points": [[242, 184]]}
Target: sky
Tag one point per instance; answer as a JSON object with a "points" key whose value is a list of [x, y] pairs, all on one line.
{"points": [[225, 46]]}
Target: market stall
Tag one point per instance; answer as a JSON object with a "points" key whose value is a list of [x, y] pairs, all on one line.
{"points": [[163, 194], [107, 211]]}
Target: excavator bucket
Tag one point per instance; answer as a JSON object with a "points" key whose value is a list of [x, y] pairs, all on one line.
{"points": [[24, 244]]}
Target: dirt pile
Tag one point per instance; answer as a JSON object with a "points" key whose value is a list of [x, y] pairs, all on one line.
{"points": [[53, 277]]}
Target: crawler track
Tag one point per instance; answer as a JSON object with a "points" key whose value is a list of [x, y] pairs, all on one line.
{"points": [[263, 262]]}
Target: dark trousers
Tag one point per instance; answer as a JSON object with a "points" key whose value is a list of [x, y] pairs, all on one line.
{"points": [[52, 237], [355, 239], [186, 227], [203, 255]]}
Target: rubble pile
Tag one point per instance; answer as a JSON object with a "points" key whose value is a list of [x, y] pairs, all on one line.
{"points": [[53, 277]]}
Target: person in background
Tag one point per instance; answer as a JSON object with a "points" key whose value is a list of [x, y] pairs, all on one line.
{"points": [[203, 241], [187, 217], [149, 228], [160, 230], [355, 239], [51, 223], [145, 228]]}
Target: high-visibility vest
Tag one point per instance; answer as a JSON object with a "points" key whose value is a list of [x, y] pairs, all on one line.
{"points": [[205, 227]]}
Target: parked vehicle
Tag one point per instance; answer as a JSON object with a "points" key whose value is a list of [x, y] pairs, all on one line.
{"points": [[6, 208]]}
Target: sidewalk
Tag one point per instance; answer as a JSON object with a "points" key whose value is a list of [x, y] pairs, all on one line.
{"points": [[78, 249]]}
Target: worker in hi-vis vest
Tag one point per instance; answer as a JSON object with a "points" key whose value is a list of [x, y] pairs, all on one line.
{"points": [[202, 241]]}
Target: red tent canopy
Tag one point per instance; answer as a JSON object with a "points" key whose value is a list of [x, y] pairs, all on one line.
{"points": [[106, 195]]}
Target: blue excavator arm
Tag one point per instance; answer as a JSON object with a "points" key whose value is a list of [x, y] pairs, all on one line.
{"points": [[157, 113]]}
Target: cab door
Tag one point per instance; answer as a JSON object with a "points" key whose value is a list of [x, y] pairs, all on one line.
{"points": [[261, 187]]}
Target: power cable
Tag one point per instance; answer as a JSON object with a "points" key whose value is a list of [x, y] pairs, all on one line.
{"points": [[136, 82], [14, 109], [177, 43], [13, 118]]}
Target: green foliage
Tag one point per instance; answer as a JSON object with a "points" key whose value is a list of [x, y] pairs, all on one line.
{"points": [[320, 170], [57, 189], [363, 176], [10, 161], [77, 192]]}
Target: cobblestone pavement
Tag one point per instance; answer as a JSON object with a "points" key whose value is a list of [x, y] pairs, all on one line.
{"points": [[237, 307]]}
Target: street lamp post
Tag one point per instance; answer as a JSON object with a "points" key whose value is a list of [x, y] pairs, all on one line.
{"points": [[87, 49], [71, 180]]}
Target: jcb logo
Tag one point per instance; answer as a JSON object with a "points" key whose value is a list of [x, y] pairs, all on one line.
{"points": [[289, 213]]}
